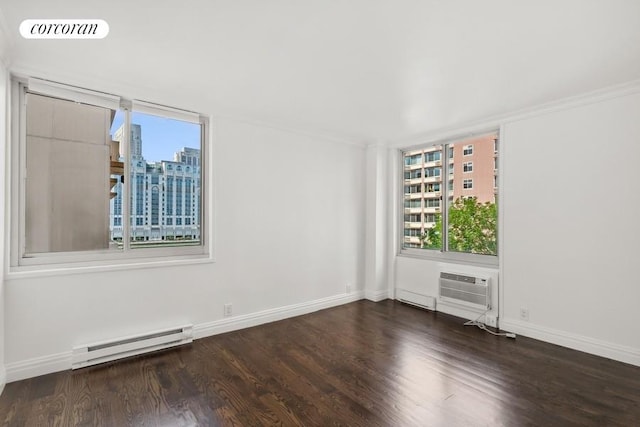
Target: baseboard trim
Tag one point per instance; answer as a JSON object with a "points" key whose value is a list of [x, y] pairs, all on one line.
{"points": [[62, 361], [3, 378], [254, 319], [38, 366], [576, 342], [376, 296]]}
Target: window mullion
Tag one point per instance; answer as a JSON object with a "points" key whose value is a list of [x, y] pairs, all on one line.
{"points": [[22, 165], [126, 187], [444, 202]]}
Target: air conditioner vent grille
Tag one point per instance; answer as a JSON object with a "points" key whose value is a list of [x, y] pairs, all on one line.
{"points": [[457, 277], [466, 290]]}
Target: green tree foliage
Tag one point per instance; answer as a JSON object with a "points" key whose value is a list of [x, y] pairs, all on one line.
{"points": [[432, 238], [472, 228]]}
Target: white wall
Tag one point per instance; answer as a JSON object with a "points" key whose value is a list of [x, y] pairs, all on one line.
{"points": [[571, 226], [570, 210], [289, 237]]}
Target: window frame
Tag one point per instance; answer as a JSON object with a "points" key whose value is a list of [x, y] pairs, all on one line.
{"points": [[20, 261], [443, 254]]}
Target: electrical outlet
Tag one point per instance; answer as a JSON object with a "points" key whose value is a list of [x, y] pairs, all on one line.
{"points": [[228, 310], [348, 288], [491, 321], [524, 313]]}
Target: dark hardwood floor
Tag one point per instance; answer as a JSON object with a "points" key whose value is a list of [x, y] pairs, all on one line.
{"points": [[361, 364]]}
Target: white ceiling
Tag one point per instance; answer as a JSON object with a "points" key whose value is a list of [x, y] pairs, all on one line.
{"points": [[362, 70]]}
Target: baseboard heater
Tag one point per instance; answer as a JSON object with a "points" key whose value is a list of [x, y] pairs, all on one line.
{"points": [[418, 300], [93, 354], [470, 291]]}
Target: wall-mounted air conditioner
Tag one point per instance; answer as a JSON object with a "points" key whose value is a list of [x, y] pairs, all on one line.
{"points": [[466, 290]]}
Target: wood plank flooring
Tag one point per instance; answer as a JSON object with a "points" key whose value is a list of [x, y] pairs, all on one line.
{"points": [[361, 364]]}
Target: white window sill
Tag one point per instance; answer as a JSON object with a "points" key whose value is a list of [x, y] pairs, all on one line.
{"points": [[23, 272], [486, 261]]}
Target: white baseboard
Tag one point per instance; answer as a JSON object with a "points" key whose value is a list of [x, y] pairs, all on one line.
{"points": [[254, 319], [3, 378], [376, 296], [62, 361], [38, 366], [577, 342]]}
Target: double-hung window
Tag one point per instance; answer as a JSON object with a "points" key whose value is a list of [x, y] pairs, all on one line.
{"points": [[459, 223], [98, 178]]}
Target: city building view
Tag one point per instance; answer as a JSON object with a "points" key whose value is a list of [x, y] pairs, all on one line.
{"points": [[472, 166], [165, 195]]}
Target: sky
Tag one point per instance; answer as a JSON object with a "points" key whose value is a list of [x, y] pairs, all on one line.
{"points": [[161, 137]]}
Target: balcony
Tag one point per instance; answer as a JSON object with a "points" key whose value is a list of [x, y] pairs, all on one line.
{"points": [[430, 179], [413, 166], [432, 163], [412, 239], [413, 181], [417, 225], [417, 210], [412, 196]]}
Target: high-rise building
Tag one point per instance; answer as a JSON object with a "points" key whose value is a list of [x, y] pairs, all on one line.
{"points": [[165, 195], [135, 142], [472, 166]]}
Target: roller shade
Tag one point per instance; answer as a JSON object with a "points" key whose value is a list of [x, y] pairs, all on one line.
{"points": [[162, 111], [75, 94]]}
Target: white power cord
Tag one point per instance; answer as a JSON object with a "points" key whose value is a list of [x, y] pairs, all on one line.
{"points": [[483, 326]]}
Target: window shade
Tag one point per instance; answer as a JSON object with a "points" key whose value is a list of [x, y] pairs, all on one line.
{"points": [[162, 111], [75, 94]]}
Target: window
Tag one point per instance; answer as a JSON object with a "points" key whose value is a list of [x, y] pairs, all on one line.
{"points": [[415, 159], [414, 174], [155, 206], [461, 224], [91, 160], [413, 218], [432, 203], [415, 203], [411, 189], [431, 172], [432, 156], [433, 187]]}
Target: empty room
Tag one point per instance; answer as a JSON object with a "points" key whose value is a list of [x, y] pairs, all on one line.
{"points": [[312, 213]]}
